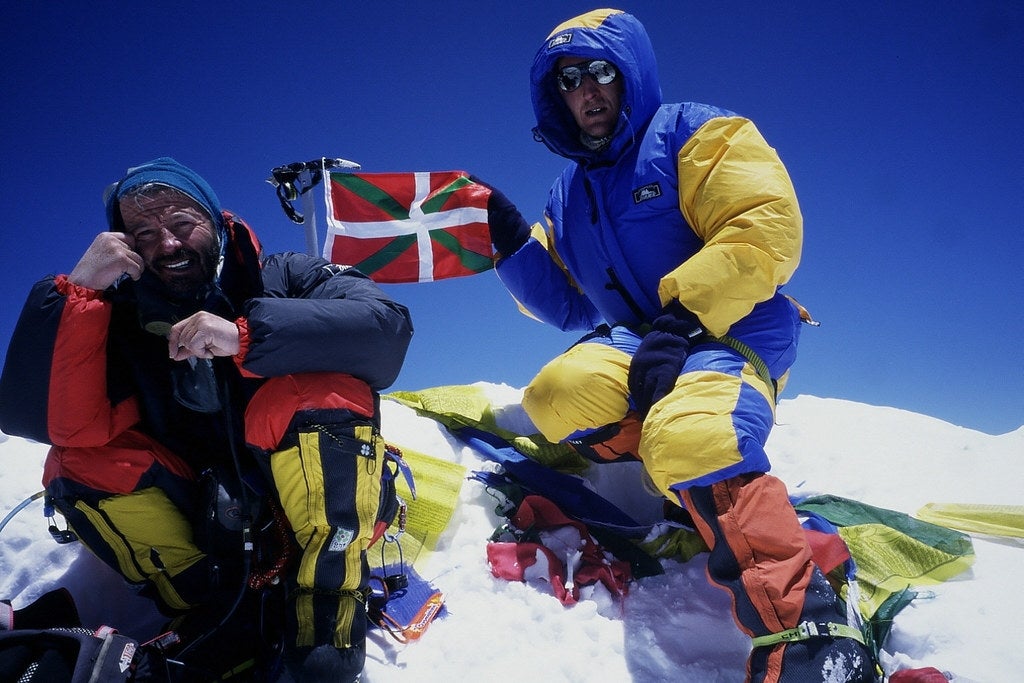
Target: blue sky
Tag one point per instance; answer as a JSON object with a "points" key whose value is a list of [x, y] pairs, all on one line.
{"points": [[900, 123]]}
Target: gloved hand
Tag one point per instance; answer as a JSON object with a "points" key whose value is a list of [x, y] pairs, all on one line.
{"points": [[661, 354], [509, 230]]}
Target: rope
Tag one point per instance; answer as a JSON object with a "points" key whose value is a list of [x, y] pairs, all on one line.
{"points": [[760, 367], [21, 506]]}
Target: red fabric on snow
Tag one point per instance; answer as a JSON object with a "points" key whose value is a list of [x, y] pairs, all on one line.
{"points": [[509, 560], [928, 674]]}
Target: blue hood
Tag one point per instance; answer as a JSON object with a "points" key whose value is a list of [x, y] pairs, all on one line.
{"points": [[601, 34]]}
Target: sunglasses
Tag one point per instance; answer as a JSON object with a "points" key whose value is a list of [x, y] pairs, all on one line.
{"points": [[570, 77]]}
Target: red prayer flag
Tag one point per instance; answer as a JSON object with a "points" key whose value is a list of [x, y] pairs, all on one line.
{"points": [[408, 227]]}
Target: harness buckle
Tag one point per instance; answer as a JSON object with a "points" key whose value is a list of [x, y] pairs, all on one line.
{"points": [[808, 629]]}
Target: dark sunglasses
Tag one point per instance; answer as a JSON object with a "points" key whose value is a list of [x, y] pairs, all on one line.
{"points": [[570, 77]]}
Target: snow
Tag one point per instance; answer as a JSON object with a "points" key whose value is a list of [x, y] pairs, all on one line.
{"points": [[669, 627]]}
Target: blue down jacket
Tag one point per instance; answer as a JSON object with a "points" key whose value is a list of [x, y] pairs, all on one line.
{"points": [[687, 201]]}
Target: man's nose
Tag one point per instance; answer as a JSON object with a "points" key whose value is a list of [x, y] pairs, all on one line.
{"points": [[589, 84], [168, 240]]}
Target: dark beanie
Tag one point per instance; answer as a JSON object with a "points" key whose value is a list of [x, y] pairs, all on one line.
{"points": [[163, 171]]}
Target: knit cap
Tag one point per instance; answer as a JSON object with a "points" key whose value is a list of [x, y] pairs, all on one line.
{"points": [[163, 171]]}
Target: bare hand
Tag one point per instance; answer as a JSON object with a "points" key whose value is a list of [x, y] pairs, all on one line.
{"points": [[110, 256], [203, 335]]}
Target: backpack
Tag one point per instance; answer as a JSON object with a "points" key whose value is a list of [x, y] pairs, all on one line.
{"points": [[66, 654], [45, 642]]}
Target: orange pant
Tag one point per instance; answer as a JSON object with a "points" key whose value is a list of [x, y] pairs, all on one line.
{"points": [[760, 555]]}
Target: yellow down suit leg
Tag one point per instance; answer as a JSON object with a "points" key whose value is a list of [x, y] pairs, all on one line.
{"points": [[713, 425], [703, 447], [327, 474], [326, 464]]}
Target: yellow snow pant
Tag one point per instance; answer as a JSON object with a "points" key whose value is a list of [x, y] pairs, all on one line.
{"points": [[711, 426], [132, 503]]}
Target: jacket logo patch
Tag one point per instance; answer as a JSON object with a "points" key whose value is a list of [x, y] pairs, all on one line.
{"points": [[560, 39], [342, 539], [642, 194]]}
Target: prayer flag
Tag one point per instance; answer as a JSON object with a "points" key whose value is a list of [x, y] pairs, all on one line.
{"points": [[408, 227]]}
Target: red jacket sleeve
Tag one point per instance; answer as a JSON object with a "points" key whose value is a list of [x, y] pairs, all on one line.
{"points": [[79, 410]]}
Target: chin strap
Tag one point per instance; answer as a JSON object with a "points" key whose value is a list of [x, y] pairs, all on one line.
{"points": [[807, 630]]}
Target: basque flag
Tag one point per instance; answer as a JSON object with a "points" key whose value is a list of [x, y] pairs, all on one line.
{"points": [[408, 227]]}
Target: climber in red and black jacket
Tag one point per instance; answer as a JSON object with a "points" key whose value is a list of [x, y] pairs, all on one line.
{"points": [[174, 355]]}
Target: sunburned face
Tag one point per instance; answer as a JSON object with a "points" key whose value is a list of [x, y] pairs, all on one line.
{"points": [[595, 107], [174, 236]]}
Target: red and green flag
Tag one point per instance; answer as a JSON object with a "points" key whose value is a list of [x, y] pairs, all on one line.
{"points": [[408, 227]]}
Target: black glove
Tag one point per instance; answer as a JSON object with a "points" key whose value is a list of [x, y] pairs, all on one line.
{"points": [[509, 230], [661, 354]]}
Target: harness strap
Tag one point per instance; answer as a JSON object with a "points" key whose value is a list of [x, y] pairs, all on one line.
{"points": [[760, 367], [807, 630]]}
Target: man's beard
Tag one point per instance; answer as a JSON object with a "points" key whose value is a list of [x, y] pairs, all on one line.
{"points": [[163, 301], [193, 279]]}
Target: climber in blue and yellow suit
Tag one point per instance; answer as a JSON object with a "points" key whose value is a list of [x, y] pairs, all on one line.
{"points": [[667, 240]]}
